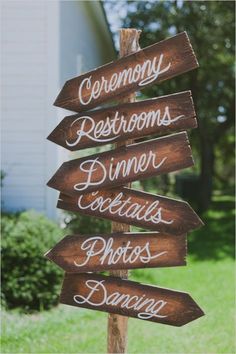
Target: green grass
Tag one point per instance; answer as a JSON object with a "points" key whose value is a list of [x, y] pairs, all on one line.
{"points": [[208, 277], [216, 239], [71, 330]]}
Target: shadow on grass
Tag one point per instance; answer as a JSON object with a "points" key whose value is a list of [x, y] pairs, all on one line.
{"points": [[215, 240]]}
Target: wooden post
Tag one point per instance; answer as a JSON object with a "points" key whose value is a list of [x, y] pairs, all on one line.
{"points": [[118, 325]]}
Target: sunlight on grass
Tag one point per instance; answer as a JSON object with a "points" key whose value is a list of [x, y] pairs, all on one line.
{"points": [[69, 330]]}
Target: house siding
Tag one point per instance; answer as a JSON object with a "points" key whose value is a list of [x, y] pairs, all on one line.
{"points": [[23, 80], [44, 43]]}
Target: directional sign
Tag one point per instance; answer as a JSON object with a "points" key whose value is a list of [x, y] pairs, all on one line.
{"points": [[127, 298], [156, 63], [136, 208], [131, 120], [124, 164], [92, 253]]}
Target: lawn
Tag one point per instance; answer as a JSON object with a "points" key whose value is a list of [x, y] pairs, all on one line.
{"points": [[71, 330], [208, 277]]}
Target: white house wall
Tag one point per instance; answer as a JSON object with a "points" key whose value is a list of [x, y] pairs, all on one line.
{"points": [[43, 44], [85, 42], [24, 94]]}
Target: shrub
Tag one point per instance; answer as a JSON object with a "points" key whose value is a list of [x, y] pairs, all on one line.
{"points": [[29, 280], [82, 224]]}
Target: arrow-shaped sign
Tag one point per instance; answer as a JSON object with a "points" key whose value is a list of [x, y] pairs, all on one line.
{"points": [[156, 63], [126, 121], [93, 253], [127, 298], [136, 208], [123, 165]]}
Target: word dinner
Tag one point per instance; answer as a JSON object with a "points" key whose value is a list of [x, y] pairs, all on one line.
{"points": [[122, 165], [117, 169]]}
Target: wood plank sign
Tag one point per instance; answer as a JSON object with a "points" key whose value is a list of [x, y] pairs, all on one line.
{"points": [[136, 208], [99, 185], [92, 253], [130, 120], [124, 164], [156, 63], [128, 298]]}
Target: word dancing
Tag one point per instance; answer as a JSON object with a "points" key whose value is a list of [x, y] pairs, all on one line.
{"points": [[146, 307]]}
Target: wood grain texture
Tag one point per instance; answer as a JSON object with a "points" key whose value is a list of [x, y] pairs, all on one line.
{"points": [[127, 298], [136, 208], [123, 165], [153, 64], [126, 121], [93, 253], [117, 326]]}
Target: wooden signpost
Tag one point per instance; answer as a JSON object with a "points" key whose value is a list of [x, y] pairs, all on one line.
{"points": [[117, 326], [133, 207], [97, 185], [123, 165], [126, 121], [128, 298], [92, 253], [156, 63]]}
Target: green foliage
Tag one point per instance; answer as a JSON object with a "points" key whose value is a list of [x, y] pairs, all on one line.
{"points": [[216, 239], [29, 280], [211, 28], [67, 329], [82, 224]]}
